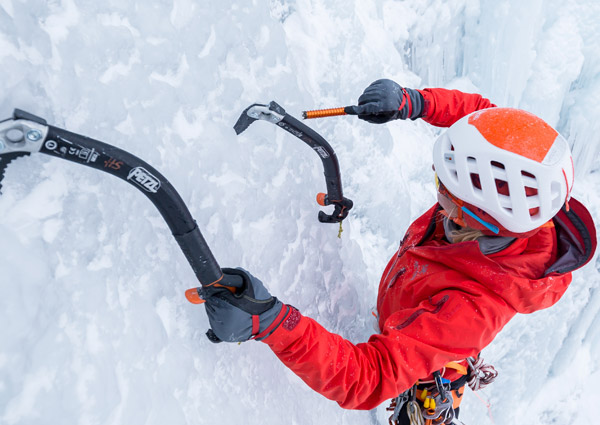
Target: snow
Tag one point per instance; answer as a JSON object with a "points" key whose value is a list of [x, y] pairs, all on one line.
{"points": [[95, 327]]}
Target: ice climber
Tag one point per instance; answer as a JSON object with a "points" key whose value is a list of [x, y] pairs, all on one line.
{"points": [[502, 239]]}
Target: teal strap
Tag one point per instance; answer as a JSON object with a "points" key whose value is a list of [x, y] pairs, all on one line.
{"points": [[489, 226]]}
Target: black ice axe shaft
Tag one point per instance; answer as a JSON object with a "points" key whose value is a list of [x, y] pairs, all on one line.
{"points": [[276, 114], [26, 133]]}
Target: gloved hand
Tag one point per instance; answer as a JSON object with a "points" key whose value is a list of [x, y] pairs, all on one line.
{"points": [[249, 313], [384, 100]]}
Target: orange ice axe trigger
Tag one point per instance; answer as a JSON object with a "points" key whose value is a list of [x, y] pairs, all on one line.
{"points": [[230, 282]]}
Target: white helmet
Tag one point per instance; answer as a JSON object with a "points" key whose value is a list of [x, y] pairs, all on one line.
{"points": [[508, 163]]}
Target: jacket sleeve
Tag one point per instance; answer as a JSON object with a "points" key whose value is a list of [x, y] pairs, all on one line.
{"points": [[443, 107], [414, 343]]}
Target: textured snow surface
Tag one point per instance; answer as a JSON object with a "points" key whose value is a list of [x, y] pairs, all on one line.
{"points": [[94, 327]]}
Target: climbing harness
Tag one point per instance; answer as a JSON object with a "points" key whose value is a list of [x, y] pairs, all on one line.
{"points": [[436, 402]]}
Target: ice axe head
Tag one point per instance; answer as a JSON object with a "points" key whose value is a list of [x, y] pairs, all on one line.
{"points": [[244, 120], [273, 112], [20, 135]]}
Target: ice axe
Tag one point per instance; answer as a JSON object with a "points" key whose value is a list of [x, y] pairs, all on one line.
{"points": [[275, 114], [25, 133]]}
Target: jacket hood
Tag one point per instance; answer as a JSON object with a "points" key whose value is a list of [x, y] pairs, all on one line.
{"points": [[532, 273], [576, 237]]}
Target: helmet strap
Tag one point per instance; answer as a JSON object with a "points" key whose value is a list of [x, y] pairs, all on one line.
{"points": [[456, 220], [489, 226], [458, 202]]}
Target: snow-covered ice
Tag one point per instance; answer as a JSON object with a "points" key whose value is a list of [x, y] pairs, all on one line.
{"points": [[94, 327]]}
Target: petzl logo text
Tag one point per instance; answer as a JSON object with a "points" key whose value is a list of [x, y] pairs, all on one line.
{"points": [[144, 179]]}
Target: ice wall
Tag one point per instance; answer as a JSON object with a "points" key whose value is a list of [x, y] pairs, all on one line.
{"points": [[539, 55], [95, 328]]}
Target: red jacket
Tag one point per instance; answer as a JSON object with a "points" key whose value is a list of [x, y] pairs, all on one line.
{"points": [[438, 302]]}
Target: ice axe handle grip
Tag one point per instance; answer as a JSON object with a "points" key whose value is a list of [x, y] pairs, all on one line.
{"points": [[199, 256], [332, 112]]}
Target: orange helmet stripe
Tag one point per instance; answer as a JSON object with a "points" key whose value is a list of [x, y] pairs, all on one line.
{"points": [[516, 131]]}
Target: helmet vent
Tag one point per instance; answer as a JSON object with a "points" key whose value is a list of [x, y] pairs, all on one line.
{"points": [[502, 187], [530, 182], [497, 164], [526, 174]]}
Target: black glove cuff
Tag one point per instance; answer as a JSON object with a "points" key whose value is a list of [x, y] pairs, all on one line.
{"points": [[413, 104]]}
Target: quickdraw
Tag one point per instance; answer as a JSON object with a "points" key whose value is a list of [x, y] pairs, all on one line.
{"points": [[413, 410]]}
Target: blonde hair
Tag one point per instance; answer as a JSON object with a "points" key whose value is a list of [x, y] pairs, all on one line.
{"points": [[464, 234]]}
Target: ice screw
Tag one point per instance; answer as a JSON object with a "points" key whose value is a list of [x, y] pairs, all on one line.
{"points": [[34, 135]]}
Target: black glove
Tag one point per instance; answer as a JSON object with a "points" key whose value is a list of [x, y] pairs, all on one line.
{"points": [[249, 313], [384, 100]]}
